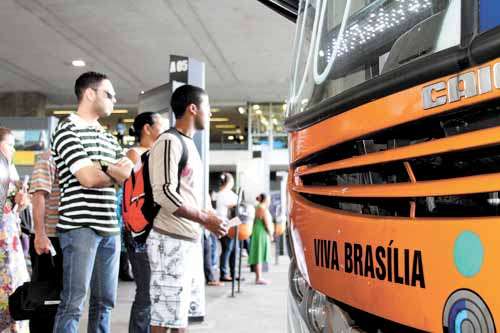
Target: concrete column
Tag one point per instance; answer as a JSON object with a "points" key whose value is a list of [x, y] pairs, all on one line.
{"points": [[22, 104]]}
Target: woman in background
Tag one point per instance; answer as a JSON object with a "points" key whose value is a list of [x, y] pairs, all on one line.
{"points": [[260, 244], [13, 271], [226, 199], [147, 128]]}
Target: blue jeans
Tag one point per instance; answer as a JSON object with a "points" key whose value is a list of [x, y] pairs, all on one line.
{"points": [[213, 249], [89, 260], [140, 313], [227, 257]]}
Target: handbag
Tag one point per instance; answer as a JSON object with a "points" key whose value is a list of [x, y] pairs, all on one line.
{"points": [[34, 298]]}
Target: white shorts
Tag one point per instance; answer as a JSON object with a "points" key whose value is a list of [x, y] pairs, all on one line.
{"points": [[177, 287]]}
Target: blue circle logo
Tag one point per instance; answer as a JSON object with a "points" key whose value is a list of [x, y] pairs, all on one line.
{"points": [[468, 254]]}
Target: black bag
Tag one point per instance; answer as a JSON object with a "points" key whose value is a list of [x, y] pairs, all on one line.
{"points": [[32, 298]]}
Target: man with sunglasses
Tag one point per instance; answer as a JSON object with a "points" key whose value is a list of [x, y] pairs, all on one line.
{"points": [[90, 162]]}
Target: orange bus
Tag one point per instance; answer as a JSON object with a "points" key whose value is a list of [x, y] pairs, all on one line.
{"points": [[394, 179]]}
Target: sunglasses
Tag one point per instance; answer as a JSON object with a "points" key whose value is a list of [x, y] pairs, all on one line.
{"points": [[108, 94]]}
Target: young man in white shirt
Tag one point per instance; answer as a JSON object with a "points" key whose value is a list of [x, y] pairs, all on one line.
{"points": [[174, 245]]}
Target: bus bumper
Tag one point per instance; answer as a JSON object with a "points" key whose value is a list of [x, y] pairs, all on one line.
{"points": [[294, 323]]}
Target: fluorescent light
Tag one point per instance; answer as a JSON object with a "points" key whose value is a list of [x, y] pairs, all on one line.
{"points": [[120, 111], [62, 112], [242, 137], [230, 138], [219, 119], [128, 120], [256, 107], [238, 131], [214, 110], [78, 63], [225, 126], [241, 110]]}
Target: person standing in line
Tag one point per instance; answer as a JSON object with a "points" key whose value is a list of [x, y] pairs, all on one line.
{"points": [[147, 128], [260, 244], [90, 162], [226, 199], [124, 266], [44, 188], [13, 270], [177, 285]]}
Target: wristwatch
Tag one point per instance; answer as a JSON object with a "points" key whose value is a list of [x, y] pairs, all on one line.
{"points": [[104, 166]]}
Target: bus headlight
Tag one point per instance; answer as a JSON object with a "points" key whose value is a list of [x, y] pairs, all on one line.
{"points": [[317, 310], [298, 284]]}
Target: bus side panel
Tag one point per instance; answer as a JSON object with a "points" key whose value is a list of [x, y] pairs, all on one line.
{"points": [[415, 287]]}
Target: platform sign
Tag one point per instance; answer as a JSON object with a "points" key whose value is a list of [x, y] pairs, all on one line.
{"points": [[179, 68], [489, 14]]}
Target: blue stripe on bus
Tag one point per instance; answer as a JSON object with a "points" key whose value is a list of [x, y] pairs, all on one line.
{"points": [[489, 14]]}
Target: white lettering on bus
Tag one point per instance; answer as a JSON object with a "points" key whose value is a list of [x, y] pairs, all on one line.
{"points": [[462, 86]]}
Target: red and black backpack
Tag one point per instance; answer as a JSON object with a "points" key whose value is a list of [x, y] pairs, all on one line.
{"points": [[139, 208]]}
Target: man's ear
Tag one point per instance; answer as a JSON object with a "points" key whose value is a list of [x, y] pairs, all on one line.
{"points": [[192, 108], [90, 94]]}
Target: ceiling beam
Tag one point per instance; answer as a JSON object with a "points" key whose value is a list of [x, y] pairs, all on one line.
{"points": [[286, 8]]}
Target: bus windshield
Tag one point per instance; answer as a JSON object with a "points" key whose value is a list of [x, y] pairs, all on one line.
{"points": [[343, 43]]}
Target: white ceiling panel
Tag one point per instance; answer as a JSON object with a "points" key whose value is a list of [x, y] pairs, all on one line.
{"points": [[246, 47]]}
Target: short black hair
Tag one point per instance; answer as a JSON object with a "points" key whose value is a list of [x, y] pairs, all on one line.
{"points": [[87, 80], [261, 197], [184, 96], [142, 119]]}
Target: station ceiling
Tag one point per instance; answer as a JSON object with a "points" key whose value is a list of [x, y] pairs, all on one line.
{"points": [[247, 47]]}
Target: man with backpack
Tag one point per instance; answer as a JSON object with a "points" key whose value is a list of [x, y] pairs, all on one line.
{"points": [[174, 243]]}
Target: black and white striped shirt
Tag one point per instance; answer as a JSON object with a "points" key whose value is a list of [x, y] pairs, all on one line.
{"points": [[77, 144]]}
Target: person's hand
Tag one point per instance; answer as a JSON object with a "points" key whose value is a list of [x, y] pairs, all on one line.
{"points": [[216, 225], [21, 198], [124, 162], [42, 244], [210, 210]]}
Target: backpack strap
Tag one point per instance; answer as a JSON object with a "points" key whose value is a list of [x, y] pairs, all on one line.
{"points": [[132, 178], [184, 156]]}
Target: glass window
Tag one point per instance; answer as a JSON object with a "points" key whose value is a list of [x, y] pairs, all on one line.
{"points": [[279, 136], [35, 140], [229, 128], [342, 43], [261, 124], [267, 121]]}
